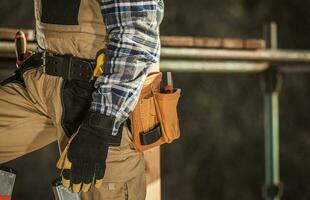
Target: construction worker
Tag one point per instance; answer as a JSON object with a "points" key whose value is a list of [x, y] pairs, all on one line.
{"points": [[54, 95]]}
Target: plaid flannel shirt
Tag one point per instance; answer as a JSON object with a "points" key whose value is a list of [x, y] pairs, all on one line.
{"points": [[133, 45]]}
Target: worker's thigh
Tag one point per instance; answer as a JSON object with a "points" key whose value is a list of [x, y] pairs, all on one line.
{"points": [[23, 127], [124, 177]]}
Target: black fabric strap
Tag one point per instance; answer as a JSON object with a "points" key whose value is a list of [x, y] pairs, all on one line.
{"points": [[33, 61], [115, 140], [150, 137], [105, 122]]}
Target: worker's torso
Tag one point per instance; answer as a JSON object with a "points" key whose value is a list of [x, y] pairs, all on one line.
{"points": [[73, 27]]}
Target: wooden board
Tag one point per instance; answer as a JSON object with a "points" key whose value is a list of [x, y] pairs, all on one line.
{"points": [[152, 169], [225, 43]]}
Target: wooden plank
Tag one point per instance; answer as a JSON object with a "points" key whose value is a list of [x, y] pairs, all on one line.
{"points": [[232, 44], [204, 42], [9, 34], [152, 169], [255, 44], [210, 43], [177, 41]]}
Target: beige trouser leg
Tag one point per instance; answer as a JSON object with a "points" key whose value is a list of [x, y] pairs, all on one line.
{"points": [[30, 118], [23, 128]]}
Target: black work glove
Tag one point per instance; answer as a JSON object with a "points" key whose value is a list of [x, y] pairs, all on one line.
{"points": [[85, 164], [76, 100]]}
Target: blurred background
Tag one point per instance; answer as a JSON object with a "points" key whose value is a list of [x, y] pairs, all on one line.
{"points": [[220, 155]]}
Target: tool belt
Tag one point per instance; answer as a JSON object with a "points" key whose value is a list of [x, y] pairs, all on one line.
{"points": [[154, 120], [66, 66]]}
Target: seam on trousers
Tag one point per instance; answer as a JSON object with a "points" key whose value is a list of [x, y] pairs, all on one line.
{"points": [[126, 190]]}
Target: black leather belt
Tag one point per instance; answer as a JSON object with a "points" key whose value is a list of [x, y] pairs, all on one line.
{"points": [[66, 66]]}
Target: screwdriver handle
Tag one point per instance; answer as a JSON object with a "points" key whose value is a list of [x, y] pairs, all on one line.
{"points": [[169, 87], [20, 47], [5, 197]]}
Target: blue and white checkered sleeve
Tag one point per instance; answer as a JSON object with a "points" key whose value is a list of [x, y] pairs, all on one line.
{"points": [[133, 45]]}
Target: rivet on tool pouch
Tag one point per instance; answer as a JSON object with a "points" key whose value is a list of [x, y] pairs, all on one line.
{"points": [[155, 119]]}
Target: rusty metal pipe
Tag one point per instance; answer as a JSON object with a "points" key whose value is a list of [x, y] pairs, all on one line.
{"points": [[212, 66], [282, 56]]}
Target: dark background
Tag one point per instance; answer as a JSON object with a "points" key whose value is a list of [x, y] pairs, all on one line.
{"points": [[220, 155]]}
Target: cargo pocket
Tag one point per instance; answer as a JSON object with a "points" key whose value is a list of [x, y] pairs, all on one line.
{"points": [[134, 189], [117, 191], [108, 191]]}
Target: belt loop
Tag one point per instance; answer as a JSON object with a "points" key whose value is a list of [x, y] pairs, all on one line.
{"points": [[69, 68], [44, 61]]}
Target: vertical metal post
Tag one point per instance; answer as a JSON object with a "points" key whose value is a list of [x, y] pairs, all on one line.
{"points": [[272, 82]]}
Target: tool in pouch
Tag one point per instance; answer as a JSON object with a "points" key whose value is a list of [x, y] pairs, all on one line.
{"points": [[21, 51], [7, 180], [169, 87], [63, 193], [155, 119]]}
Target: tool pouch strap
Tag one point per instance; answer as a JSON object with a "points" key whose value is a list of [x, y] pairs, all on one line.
{"points": [[154, 120]]}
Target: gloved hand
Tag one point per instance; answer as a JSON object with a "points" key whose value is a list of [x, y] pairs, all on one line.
{"points": [[83, 161]]}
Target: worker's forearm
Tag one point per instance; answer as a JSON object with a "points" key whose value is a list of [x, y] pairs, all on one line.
{"points": [[133, 45]]}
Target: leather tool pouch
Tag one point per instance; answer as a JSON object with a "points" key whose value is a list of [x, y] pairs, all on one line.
{"points": [[154, 120]]}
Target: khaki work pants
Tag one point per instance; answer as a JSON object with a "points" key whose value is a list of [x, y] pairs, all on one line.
{"points": [[30, 118]]}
